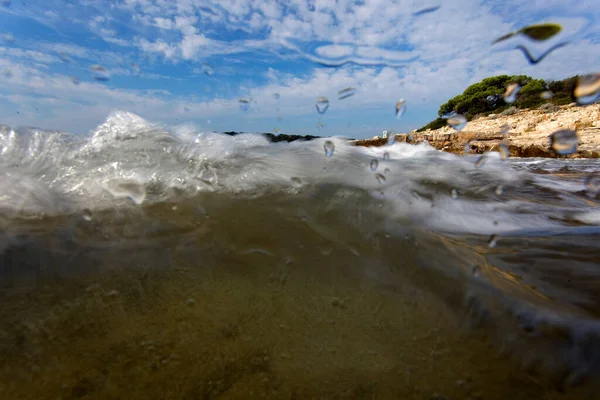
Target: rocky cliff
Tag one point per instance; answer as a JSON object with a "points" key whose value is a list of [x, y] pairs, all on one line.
{"points": [[528, 132]]}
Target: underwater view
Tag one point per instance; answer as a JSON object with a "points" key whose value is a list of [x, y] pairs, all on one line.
{"points": [[299, 200]]}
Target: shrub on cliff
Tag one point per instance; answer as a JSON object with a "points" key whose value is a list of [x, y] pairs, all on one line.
{"points": [[486, 97]]}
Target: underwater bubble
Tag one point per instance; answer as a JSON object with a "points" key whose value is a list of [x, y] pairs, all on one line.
{"points": [[504, 151], [453, 194], [99, 73], [207, 69], [546, 94], [400, 108], [75, 80], [537, 32], [564, 142], [322, 104], [87, 214], [386, 156], [296, 182], [458, 122], [588, 89], [374, 164], [380, 178], [329, 148], [510, 95], [592, 183], [480, 162], [492, 241], [476, 271], [504, 129], [345, 93], [276, 96], [244, 104], [499, 190]]}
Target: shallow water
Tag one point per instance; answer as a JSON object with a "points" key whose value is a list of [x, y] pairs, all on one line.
{"points": [[201, 265]]}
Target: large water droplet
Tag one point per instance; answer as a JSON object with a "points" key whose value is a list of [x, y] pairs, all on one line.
{"points": [[453, 194], [492, 241], [564, 142], [458, 122], [380, 178], [391, 139], [386, 156], [480, 162], [592, 183], [244, 104], [329, 148], [400, 108], [345, 93], [504, 151], [588, 89], [504, 129], [374, 164], [99, 73], [86, 215], [537, 32], [510, 95], [322, 104], [207, 69], [546, 94]]}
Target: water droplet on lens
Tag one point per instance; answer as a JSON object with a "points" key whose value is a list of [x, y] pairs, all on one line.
{"points": [[136, 68], [504, 129], [207, 69], [329, 148], [99, 73], [546, 94], [493, 240], [391, 139], [592, 183], [8, 74], [467, 146], [87, 214], [386, 156], [499, 190], [564, 142], [244, 104], [374, 164], [296, 182], [276, 96], [345, 93], [476, 271], [400, 108], [458, 122], [322, 104], [454, 194], [75, 80], [480, 162], [6, 3], [588, 89], [386, 171], [510, 95], [504, 151], [380, 178]]}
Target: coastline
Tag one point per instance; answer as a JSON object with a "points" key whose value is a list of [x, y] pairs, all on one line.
{"points": [[528, 135]]}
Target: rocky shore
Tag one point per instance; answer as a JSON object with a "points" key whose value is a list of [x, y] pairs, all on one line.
{"points": [[527, 136]]}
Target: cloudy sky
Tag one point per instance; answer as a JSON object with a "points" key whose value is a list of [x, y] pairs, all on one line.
{"points": [[66, 64]]}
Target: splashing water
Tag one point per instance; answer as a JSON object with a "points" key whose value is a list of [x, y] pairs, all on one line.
{"points": [[564, 142], [322, 104]]}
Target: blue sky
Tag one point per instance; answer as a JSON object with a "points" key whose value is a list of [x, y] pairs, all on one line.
{"points": [[156, 53]]}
